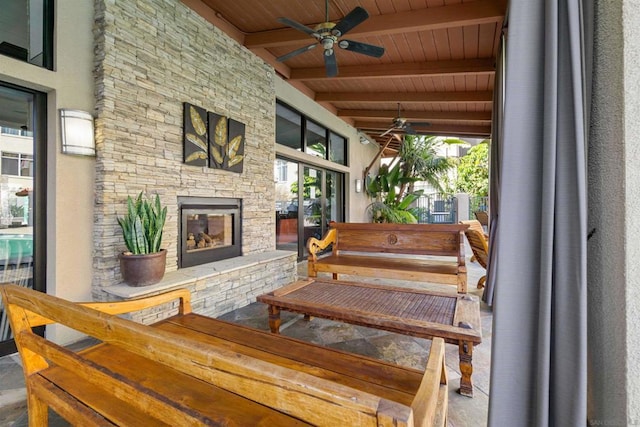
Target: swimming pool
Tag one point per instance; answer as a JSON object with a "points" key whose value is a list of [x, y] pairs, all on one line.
{"points": [[14, 246]]}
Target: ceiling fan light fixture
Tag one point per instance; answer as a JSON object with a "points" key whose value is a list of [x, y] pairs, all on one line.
{"points": [[327, 43], [327, 33]]}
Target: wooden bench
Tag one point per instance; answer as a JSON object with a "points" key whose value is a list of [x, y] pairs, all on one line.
{"points": [[372, 249], [193, 370]]}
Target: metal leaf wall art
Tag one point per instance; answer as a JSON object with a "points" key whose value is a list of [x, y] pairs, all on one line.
{"points": [[195, 135], [212, 139], [235, 147]]}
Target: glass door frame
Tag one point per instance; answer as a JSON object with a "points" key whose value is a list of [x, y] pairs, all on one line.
{"points": [[39, 111], [324, 221]]}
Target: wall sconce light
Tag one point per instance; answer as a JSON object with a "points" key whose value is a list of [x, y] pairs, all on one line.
{"points": [[358, 186], [77, 132]]}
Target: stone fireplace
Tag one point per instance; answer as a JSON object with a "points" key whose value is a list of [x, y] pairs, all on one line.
{"points": [[140, 147], [209, 230]]}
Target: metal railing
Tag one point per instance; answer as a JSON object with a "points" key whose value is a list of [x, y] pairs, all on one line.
{"points": [[437, 209], [478, 203]]}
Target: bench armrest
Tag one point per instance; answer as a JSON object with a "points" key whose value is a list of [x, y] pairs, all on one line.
{"points": [[122, 307], [315, 246]]}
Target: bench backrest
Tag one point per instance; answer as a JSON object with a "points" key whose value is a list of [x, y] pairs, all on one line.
{"points": [[301, 395], [418, 239]]}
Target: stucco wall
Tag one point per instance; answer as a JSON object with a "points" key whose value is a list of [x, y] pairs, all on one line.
{"points": [[70, 180], [614, 215]]}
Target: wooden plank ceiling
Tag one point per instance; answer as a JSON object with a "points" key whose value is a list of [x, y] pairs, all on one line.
{"points": [[437, 68]]}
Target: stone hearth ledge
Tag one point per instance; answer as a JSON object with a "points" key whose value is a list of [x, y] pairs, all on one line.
{"points": [[188, 276]]}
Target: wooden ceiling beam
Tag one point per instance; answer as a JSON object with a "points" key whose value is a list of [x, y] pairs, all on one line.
{"points": [[406, 97], [407, 69], [417, 115], [457, 15]]}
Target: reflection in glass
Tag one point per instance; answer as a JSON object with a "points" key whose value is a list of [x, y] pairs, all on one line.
{"points": [[316, 140], [286, 177], [16, 193], [337, 149], [312, 202], [288, 127]]}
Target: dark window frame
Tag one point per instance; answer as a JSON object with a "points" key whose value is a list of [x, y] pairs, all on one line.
{"points": [[48, 24], [303, 136], [20, 158], [40, 197]]}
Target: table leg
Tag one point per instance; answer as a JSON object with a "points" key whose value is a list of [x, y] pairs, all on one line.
{"points": [[465, 350], [274, 319]]}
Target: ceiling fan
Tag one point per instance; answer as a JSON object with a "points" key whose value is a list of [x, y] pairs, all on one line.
{"points": [[327, 34], [400, 124]]}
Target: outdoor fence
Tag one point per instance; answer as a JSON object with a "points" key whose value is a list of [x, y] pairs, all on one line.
{"points": [[478, 203], [437, 209]]}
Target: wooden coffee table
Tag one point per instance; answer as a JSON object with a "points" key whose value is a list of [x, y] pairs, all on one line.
{"points": [[423, 314]]}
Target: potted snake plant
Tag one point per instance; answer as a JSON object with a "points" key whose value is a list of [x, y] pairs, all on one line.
{"points": [[144, 261]]}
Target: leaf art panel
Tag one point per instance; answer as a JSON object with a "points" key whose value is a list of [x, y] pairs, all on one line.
{"points": [[226, 143], [235, 147], [195, 135], [218, 138]]}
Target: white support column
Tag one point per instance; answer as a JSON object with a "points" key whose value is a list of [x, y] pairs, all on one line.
{"points": [[463, 207]]}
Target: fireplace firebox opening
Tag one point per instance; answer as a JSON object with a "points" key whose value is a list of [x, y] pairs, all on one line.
{"points": [[209, 230]]}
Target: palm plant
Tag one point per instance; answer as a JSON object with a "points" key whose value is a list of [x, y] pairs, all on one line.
{"points": [[391, 204], [419, 158], [393, 188]]}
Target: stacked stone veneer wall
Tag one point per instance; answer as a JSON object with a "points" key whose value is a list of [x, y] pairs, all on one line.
{"points": [[151, 57], [218, 293]]}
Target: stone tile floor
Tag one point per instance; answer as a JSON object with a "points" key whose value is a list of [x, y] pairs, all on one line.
{"points": [[401, 349]]}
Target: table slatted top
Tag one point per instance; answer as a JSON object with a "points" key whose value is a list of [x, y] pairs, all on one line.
{"points": [[385, 302], [402, 310]]}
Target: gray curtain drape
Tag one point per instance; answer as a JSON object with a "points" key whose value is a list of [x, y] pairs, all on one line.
{"points": [[538, 367], [495, 162]]}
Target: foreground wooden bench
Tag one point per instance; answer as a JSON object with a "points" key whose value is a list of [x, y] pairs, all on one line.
{"points": [[194, 370], [368, 249]]}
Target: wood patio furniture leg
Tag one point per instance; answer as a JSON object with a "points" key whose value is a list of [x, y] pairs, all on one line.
{"points": [[37, 410], [465, 351], [274, 319]]}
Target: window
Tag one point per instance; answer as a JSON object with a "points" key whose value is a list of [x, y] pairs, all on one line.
{"points": [[337, 148], [280, 172], [26, 31], [316, 137], [16, 164], [23, 213], [300, 133], [288, 127]]}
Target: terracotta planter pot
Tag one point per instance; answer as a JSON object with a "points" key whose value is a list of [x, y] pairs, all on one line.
{"points": [[143, 270]]}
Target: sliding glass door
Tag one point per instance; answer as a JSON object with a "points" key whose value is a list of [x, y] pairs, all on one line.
{"points": [[307, 199], [22, 181]]}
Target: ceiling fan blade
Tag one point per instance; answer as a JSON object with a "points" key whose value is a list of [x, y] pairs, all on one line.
{"points": [[409, 130], [363, 48], [387, 131], [420, 124], [296, 52], [353, 18], [298, 26], [330, 64]]}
